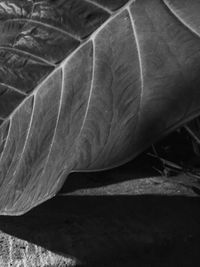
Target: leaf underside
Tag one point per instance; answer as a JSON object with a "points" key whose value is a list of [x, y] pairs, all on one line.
{"points": [[88, 85]]}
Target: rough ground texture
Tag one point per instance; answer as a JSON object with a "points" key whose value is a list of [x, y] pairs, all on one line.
{"points": [[20, 253], [117, 221]]}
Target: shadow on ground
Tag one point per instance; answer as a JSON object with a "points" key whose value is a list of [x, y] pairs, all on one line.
{"points": [[115, 230], [141, 167], [150, 224]]}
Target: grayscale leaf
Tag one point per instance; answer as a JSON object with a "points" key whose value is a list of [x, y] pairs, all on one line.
{"points": [[88, 85]]}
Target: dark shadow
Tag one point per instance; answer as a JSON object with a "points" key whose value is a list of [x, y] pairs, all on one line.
{"points": [[129, 171], [176, 147], [115, 230]]}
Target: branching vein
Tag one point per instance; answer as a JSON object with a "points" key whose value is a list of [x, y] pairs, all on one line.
{"points": [[46, 25], [13, 88], [28, 54]]}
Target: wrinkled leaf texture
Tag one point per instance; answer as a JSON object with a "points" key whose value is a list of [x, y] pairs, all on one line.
{"points": [[88, 85]]}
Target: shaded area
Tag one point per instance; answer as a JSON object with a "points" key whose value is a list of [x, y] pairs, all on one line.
{"points": [[130, 171], [119, 217], [176, 147], [117, 230]]}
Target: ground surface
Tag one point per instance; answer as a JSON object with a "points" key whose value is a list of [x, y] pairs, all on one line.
{"points": [[114, 218]]}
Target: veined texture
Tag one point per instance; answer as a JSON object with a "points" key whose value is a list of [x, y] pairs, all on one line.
{"points": [[88, 85]]}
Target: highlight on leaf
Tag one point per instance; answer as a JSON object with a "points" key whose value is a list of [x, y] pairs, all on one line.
{"points": [[88, 85]]}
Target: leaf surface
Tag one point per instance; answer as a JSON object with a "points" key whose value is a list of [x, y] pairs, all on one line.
{"points": [[88, 85]]}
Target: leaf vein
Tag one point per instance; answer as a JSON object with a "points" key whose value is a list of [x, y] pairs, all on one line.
{"points": [[13, 88], [99, 6], [139, 58], [6, 142], [20, 51], [46, 25], [91, 90], [27, 136], [178, 18], [57, 121]]}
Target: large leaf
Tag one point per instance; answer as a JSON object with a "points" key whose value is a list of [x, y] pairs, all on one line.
{"points": [[88, 85]]}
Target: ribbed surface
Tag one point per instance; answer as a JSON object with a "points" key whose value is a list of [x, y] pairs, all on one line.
{"points": [[100, 81]]}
